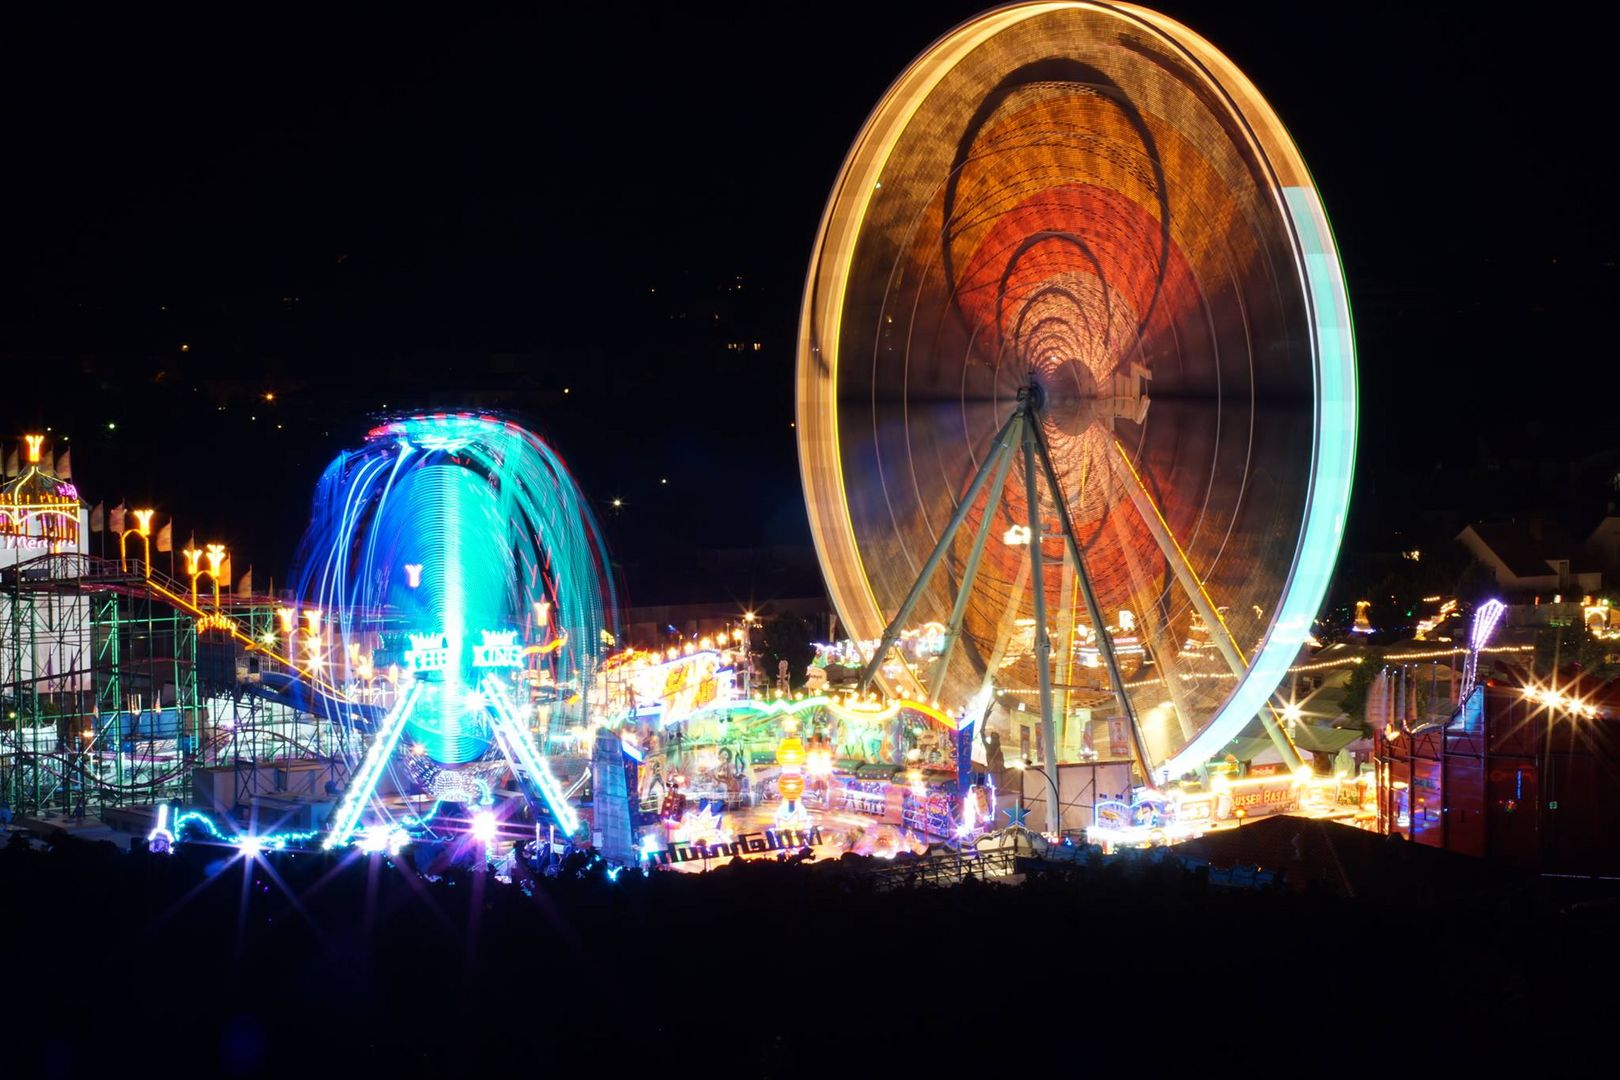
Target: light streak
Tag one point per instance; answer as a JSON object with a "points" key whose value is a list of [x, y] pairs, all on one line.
{"points": [[1332, 469], [363, 784], [518, 744], [455, 523]]}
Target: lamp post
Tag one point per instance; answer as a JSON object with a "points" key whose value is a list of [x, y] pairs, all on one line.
{"points": [[193, 558], [143, 529], [1054, 813], [748, 655], [194, 570], [216, 559]]}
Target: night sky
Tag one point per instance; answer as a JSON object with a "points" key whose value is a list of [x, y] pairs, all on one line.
{"points": [[572, 216]]}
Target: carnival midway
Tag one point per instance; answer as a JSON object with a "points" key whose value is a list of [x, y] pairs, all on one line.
{"points": [[1075, 567]]}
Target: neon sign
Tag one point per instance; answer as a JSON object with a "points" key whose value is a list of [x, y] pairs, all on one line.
{"points": [[428, 652], [745, 846], [215, 621], [499, 650]]}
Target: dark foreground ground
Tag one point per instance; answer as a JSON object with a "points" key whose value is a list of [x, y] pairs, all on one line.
{"points": [[134, 964]]}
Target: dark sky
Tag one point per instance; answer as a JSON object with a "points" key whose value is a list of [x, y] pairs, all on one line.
{"points": [[444, 208]]}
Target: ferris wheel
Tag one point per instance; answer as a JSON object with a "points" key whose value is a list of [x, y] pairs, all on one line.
{"points": [[1076, 382], [452, 575]]}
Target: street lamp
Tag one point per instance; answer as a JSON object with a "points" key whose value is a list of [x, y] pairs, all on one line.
{"points": [[143, 529], [194, 558], [748, 655], [1054, 809]]}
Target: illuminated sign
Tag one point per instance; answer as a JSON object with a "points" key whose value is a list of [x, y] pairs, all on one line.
{"points": [[684, 685], [499, 650], [215, 621], [431, 652], [747, 845], [428, 652], [1112, 814], [1266, 798]]}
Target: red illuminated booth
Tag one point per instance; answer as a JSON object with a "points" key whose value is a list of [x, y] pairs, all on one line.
{"points": [[1525, 775]]}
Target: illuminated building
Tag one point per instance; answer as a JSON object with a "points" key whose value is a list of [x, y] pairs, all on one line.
{"points": [[45, 635], [40, 512], [1521, 775]]}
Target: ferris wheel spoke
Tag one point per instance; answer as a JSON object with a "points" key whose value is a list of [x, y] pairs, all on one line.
{"points": [[1164, 659], [1191, 584]]}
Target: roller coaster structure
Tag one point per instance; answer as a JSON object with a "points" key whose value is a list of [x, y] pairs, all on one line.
{"points": [[118, 689]]}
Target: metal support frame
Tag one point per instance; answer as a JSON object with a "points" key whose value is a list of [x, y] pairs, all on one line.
{"points": [[88, 654], [1021, 431], [970, 572], [1105, 644], [891, 634], [1043, 637], [511, 734]]}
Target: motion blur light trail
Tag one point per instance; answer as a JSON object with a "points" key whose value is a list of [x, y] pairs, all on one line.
{"points": [[451, 563], [1082, 213]]}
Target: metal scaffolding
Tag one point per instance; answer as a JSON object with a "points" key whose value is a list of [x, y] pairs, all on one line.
{"points": [[115, 691]]}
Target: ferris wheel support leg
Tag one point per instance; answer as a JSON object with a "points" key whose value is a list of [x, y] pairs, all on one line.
{"points": [[1043, 639], [953, 629], [1105, 644], [1193, 586], [1148, 613], [891, 633], [363, 781]]}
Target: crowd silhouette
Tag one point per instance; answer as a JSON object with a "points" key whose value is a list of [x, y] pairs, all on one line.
{"points": [[203, 963]]}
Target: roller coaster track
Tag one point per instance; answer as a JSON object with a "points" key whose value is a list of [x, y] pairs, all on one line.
{"points": [[58, 764], [89, 573]]}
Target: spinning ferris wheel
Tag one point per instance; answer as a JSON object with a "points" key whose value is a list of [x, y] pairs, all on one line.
{"points": [[456, 552], [1076, 381]]}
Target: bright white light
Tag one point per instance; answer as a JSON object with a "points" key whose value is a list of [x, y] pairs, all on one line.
{"points": [[483, 826], [374, 839], [251, 846], [1292, 712]]}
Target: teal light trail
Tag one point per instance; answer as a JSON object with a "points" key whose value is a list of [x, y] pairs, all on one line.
{"points": [[453, 525]]}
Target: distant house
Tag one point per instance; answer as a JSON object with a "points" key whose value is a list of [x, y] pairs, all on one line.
{"points": [[1603, 549], [1533, 556]]}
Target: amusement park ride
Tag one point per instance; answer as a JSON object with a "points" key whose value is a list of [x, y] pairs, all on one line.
{"points": [[1076, 390], [1114, 267]]}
